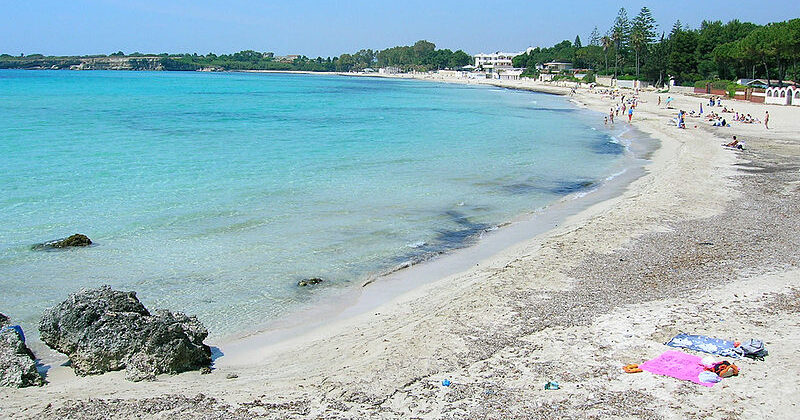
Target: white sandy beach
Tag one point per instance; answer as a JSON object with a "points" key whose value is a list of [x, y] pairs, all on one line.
{"points": [[605, 288]]}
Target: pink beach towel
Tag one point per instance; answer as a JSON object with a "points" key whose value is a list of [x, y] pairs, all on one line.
{"points": [[677, 365]]}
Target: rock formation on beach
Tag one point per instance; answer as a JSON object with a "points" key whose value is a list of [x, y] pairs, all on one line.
{"points": [[309, 282], [70, 241], [103, 330], [17, 364]]}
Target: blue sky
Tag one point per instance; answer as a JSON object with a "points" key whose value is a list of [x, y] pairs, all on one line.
{"points": [[327, 28]]}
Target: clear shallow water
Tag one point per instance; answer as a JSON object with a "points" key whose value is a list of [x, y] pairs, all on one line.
{"points": [[213, 194]]}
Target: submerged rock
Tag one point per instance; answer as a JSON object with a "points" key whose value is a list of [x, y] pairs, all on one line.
{"points": [[70, 241], [103, 330], [309, 282], [17, 364]]}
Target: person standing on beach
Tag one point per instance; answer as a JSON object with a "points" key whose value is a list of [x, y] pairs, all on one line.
{"points": [[611, 115], [766, 121], [630, 114]]}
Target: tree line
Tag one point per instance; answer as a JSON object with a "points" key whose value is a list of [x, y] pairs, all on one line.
{"points": [[635, 49], [422, 56], [632, 48]]}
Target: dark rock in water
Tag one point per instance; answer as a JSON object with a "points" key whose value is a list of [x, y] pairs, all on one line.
{"points": [[70, 241], [103, 330], [17, 364], [309, 282]]}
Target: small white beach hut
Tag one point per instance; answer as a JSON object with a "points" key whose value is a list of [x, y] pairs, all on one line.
{"points": [[787, 95]]}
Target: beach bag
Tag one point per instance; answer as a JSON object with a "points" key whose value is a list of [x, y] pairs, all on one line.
{"points": [[724, 369], [753, 349]]}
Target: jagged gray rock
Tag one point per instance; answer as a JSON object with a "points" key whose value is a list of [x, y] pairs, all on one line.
{"points": [[103, 330], [17, 364], [309, 282], [75, 240]]}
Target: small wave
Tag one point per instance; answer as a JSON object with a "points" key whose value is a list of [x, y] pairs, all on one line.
{"points": [[583, 193], [418, 244], [622, 142], [612, 176]]}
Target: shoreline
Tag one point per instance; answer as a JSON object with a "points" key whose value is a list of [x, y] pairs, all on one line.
{"points": [[394, 282], [406, 276], [385, 287], [603, 289]]}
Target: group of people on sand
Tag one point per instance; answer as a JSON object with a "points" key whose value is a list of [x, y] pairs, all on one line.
{"points": [[720, 121], [667, 103], [680, 122], [627, 106], [747, 119], [717, 120], [624, 107]]}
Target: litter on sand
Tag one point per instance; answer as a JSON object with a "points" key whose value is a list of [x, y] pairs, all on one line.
{"points": [[552, 385]]}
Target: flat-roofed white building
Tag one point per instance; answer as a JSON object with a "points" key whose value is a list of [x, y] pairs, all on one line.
{"points": [[498, 59], [557, 66]]}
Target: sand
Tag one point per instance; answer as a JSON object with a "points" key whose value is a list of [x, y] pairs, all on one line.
{"points": [[706, 242]]}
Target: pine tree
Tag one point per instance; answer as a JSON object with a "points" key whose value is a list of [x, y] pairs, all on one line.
{"points": [[578, 41], [642, 33], [594, 38], [677, 27], [620, 34]]}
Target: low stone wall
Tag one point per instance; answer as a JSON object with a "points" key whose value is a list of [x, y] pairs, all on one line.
{"points": [[604, 80], [681, 89]]}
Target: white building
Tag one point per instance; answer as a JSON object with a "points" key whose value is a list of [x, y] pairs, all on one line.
{"points": [[787, 95], [388, 70], [497, 60], [509, 74], [556, 66]]}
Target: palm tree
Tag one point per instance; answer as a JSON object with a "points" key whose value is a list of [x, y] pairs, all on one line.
{"points": [[606, 41]]}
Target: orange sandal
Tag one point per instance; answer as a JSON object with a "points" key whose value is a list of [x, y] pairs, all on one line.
{"points": [[631, 368]]}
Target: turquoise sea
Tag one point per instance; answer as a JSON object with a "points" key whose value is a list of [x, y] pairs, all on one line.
{"points": [[214, 193]]}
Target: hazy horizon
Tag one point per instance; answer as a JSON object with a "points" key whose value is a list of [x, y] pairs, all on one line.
{"points": [[324, 28]]}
